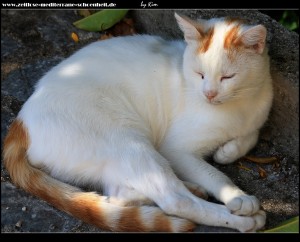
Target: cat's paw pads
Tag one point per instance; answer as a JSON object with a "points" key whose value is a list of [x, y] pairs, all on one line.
{"points": [[227, 153], [255, 222], [244, 205]]}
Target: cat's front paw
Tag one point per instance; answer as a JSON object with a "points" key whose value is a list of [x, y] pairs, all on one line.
{"points": [[251, 224], [227, 153], [260, 220], [244, 205]]}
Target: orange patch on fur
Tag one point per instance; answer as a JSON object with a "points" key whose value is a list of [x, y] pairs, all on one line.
{"points": [[198, 193], [16, 134], [45, 188], [232, 42], [206, 39], [130, 220], [162, 223], [14, 152], [87, 207], [189, 227], [21, 172], [231, 37]]}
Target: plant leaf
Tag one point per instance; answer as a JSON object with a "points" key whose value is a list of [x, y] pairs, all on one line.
{"points": [[75, 37], [101, 20], [290, 225], [262, 160], [241, 166]]}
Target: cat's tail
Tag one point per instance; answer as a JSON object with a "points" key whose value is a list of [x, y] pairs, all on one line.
{"points": [[87, 206]]}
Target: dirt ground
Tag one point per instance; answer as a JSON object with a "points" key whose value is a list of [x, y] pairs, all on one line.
{"points": [[34, 41]]}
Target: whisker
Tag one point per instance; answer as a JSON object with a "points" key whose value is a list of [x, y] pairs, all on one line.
{"points": [[239, 93], [232, 95]]}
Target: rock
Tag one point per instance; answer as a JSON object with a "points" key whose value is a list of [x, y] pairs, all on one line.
{"points": [[19, 224]]}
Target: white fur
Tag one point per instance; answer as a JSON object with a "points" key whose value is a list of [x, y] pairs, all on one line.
{"points": [[129, 111]]}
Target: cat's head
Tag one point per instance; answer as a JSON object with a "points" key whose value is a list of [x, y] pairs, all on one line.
{"points": [[225, 58]]}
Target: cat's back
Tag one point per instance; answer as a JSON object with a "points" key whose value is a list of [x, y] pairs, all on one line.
{"points": [[114, 58], [109, 75], [119, 48], [105, 84]]}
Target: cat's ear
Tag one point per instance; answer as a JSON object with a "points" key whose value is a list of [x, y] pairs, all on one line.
{"points": [[191, 29], [254, 38]]}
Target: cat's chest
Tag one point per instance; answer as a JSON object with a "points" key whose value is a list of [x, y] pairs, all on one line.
{"points": [[213, 124], [205, 129]]}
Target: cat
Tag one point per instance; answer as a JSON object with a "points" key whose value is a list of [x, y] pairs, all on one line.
{"points": [[134, 117]]}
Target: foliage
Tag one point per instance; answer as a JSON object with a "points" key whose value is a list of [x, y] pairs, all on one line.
{"points": [[289, 226], [101, 20], [290, 20]]}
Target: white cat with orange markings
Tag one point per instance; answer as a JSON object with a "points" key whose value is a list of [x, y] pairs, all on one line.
{"points": [[135, 116]]}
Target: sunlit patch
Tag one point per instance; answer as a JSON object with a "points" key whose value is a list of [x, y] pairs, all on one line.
{"points": [[70, 70]]}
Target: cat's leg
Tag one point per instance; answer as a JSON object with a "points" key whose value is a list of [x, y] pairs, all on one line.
{"points": [[125, 196], [214, 182], [141, 167], [235, 148], [196, 189]]}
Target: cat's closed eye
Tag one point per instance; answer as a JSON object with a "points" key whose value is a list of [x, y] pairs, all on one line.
{"points": [[200, 74], [227, 77]]}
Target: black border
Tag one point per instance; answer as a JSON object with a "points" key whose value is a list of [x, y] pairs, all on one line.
{"points": [[161, 4], [187, 237], [199, 237]]}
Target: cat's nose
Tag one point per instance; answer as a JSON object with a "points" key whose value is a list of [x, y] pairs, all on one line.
{"points": [[210, 94]]}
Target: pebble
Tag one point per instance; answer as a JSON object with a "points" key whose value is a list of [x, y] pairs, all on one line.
{"points": [[24, 209], [19, 224], [52, 227]]}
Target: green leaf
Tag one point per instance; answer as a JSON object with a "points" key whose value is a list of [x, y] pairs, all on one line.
{"points": [[101, 20], [291, 226]]}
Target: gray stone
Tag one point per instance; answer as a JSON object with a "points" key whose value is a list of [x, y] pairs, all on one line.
{"points": [[34, 41]]}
